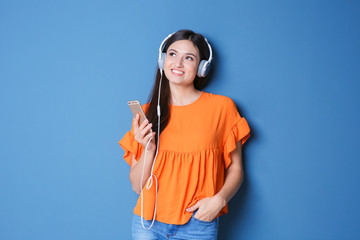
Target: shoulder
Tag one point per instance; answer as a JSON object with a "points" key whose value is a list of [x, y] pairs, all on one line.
{"points": [[223, 109], [219, 100], [222, 106]]}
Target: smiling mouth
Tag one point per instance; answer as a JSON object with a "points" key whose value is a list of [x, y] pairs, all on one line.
{"points": [[177, 72]]}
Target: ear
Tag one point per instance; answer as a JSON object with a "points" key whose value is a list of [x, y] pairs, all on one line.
{"points": [[162, 61], [203, 68]]}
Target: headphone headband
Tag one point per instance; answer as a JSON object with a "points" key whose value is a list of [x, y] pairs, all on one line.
{"points": [[204, 65], [162, 45]]}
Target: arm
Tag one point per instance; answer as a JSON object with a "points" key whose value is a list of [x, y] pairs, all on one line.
{"points": [[234, 176], [136, 170], [210, 207], [142, 136]]}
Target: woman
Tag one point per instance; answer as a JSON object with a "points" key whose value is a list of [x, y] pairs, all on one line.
{"points": [[198, 167]]}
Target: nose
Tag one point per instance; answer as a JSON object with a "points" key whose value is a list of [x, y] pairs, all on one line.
{"points": [[179, 62]]}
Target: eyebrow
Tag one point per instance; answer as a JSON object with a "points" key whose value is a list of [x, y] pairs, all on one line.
{"points": [[185, 53]]}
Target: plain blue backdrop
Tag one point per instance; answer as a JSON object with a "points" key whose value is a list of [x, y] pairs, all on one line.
{"points": [[68, 68]]}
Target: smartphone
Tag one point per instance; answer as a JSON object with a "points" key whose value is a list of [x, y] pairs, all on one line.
{"points": [[135, 108]]}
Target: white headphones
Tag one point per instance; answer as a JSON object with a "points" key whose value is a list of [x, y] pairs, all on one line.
{"points": [[204, 65]]}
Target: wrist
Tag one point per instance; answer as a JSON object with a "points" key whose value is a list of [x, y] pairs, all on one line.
{"points": [[150, 150], [222, 201]]}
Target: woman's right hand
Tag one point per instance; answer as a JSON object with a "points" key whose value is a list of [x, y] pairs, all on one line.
{"points": [[143, 133]]}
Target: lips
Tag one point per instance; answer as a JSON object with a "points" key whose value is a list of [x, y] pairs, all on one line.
{"points": [[177, 72]]}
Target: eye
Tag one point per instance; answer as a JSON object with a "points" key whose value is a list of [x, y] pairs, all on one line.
{"points": [[172, 54], [189, 58]]}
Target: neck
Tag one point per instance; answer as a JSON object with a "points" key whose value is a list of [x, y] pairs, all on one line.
{"points": [[183, 95]]}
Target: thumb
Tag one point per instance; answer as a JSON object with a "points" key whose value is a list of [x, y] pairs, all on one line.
{"points": [[193, 208]]}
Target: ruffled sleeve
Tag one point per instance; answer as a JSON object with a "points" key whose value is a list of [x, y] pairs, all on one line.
{"points": [[239, 132], [130, 146]]}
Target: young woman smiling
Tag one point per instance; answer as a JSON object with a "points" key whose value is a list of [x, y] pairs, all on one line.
{"points": [[198, 166]]}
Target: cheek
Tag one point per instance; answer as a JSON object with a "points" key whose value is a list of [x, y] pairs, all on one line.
{"points": [[192, 67], [167, 62], [166, 66]]}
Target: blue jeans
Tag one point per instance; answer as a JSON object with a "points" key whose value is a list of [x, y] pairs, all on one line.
{"points": [[193, 229]]}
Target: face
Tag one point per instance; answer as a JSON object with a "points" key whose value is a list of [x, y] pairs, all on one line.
{"points": [[181, 63]]}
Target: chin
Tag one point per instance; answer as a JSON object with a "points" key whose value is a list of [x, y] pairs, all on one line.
{"points": [[180, 83]]}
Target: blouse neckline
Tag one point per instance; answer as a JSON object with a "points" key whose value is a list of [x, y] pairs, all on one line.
{"points": [[190, 104]]}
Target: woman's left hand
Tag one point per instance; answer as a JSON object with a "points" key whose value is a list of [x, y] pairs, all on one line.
{"points": [[209, 208]]}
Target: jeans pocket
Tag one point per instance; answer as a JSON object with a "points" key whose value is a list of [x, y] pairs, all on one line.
{"points": [[201, 221]]}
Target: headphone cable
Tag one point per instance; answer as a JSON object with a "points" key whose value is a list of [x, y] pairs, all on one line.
{"points": [[150, 179]]}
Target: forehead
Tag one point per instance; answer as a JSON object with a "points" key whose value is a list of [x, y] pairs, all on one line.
{"points": [[185, 46]]}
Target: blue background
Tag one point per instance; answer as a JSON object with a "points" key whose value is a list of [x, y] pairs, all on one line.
{"points": [[68, 68]]}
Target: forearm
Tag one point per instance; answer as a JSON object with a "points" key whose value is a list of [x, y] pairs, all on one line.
{"points": [[210, 207], [233, 177], [137, 168], [233, 181]]}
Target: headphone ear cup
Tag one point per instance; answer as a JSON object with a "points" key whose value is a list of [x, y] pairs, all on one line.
{"points": [[203, 68], [161, 61]]}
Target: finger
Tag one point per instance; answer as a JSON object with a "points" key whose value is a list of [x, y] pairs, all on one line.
{"points": [[146, 129], [136, 122], [193, 208], [143, 124], [147, 137]]}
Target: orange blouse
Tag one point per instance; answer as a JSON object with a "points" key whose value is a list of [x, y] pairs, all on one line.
{"points": [[194, 153]]}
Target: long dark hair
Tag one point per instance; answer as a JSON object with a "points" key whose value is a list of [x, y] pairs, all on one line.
{"points": [[199, 83]]}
